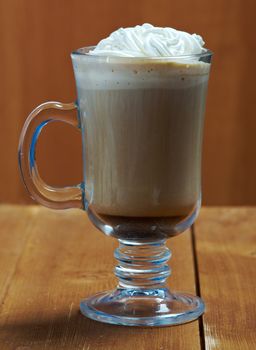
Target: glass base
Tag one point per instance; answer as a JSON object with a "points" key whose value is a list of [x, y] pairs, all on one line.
{"points": [[142, 307]]}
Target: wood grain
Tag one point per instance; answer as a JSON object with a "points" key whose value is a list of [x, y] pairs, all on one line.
{"points": [[226, 251], [59, 258], [36, 39], [16, 227]]}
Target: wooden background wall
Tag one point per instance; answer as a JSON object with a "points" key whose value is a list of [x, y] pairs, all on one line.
{"points": [[36, 37]]}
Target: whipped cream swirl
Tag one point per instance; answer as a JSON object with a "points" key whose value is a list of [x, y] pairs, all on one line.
{"points": [[149, 41]]}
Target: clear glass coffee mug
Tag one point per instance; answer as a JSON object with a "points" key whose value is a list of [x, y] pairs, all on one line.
{"points": [[141, 122]]}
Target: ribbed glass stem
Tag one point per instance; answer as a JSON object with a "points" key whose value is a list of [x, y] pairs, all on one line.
{"points": [[142, 265]]}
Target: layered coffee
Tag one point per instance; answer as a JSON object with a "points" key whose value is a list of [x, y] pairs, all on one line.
{"points": [[141, 95], [143, 128]]}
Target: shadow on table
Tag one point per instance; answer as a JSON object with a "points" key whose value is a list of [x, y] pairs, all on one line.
{"points": [[63, 330]]}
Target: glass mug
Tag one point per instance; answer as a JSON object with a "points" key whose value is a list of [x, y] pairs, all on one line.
{"points": [[141, 123]]}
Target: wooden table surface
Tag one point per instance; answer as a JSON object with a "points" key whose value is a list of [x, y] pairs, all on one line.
{"points": [[49, 260]]}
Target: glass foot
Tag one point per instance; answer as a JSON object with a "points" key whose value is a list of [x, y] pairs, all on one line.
{"points": [[142, 307]]}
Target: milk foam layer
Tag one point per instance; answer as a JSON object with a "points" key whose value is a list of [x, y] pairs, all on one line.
{"points": [[116, 75], [149, 41]]}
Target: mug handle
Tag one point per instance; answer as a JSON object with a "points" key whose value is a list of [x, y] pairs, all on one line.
{"points": [[52, 197]]}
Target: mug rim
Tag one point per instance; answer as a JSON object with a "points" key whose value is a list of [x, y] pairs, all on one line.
{"points": [[84, 51]]}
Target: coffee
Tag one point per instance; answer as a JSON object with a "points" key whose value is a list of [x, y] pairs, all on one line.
{"points": [[143, 125], [141, 95]]}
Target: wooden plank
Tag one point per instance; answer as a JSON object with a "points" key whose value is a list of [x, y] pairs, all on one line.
{"points": [[15, 227], [64, 260], [226, 251]]}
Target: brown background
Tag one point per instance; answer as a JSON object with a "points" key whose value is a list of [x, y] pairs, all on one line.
{"points": [[36, 39]]}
